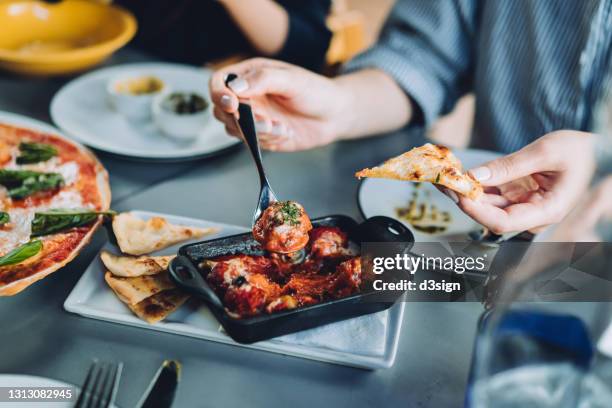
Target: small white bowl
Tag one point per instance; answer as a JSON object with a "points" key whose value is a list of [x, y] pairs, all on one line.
{"points": [[134, 106], [180, 126]]}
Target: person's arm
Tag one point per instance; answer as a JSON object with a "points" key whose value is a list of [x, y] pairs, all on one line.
{"points": [[418, 70], [265, 23], [373, 104], [589, 221], [427, 47], [534, 187], [296, 109]]}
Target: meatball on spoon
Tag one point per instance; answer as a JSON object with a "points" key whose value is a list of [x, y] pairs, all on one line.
{"points": [[281, 227]]}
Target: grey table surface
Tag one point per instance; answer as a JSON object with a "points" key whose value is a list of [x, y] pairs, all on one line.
{"points": [[40, 338]]}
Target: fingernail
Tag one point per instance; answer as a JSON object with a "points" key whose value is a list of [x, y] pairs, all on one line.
{"points": [[226, 101], [452, 195], [481, 173], [238, 85]]}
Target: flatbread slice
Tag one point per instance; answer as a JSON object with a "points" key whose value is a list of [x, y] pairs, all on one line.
{"points": [[157, 307], [428, 163], [135, 290], [139, 237], [130, 267]]}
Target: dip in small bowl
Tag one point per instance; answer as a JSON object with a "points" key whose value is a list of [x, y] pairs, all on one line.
{"points": [[181, 115], [132, 95]]}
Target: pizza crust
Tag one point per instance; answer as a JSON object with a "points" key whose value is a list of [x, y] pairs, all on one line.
{"points": [[428, 163]]}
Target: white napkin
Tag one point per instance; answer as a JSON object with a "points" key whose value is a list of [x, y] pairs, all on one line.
{"points": [[365, 335]]}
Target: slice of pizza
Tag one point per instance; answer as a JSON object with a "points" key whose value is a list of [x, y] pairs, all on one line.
{"points": [[135, 290], [53, 195], [139, 237], [130, 266], [159, 306], [428, 163]]}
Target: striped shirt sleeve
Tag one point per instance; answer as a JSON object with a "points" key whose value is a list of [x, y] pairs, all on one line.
{"points": [[427, 47]]}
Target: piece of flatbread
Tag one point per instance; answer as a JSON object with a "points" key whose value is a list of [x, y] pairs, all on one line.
{"points": [[135, 290], [428, 163], [130, 266], [157, 307], [139, 237]]}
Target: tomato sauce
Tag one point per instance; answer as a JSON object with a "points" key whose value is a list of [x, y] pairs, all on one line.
{"points": [[55, 250], [252, 285]]}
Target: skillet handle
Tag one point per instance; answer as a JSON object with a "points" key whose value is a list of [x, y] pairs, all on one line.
{"points": [[385, 229], [187, 277]]}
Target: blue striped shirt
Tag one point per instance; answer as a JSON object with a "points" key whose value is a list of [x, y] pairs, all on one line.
{"points": [[534, 65]]}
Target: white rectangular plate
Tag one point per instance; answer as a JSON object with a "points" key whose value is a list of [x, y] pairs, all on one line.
{"points": [[92, 298]]}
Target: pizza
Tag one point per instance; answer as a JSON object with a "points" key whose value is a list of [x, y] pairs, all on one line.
{"points": [[53, 195], [428, 163]]}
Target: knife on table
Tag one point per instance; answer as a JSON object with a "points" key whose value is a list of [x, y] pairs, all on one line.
{"points": [[162, 388]]}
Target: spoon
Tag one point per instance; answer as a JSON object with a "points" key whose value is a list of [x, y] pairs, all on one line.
{"points": [[246, 125]]}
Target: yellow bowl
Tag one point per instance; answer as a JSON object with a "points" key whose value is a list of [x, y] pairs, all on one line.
{"points": [[38, 38]]}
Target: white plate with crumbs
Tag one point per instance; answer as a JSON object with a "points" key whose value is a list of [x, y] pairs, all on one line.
{"points": [[366, 342], [433, 217], [82, 110]]}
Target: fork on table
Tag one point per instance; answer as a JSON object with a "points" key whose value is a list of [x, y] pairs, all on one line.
{"points": [[100, 386]]}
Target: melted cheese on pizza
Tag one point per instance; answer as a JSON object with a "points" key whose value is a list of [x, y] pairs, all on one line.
{"points": [[18, 231]]}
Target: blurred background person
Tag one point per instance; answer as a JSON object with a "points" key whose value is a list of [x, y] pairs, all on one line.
{"points": [[201, 31], [429, 55], [432, 53]]}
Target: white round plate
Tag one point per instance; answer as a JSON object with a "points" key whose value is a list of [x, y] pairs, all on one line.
{"points": [[383, 197], [81, 109], [15, 380], [29, 123]]}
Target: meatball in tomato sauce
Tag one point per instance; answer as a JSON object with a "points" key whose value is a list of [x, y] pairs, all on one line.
{"points": [[283, 227], [348, 278], [227, 270], [249, 294], [328, 242]]}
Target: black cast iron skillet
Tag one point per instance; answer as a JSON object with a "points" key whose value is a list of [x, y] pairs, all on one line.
{"points": [[186, 274]]}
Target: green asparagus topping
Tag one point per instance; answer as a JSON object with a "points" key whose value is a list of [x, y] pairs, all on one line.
{"points": [[23, 183], [21, 253], [35, 152], [438, 178], [291, 212], [57, 220], [4, 217]]}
